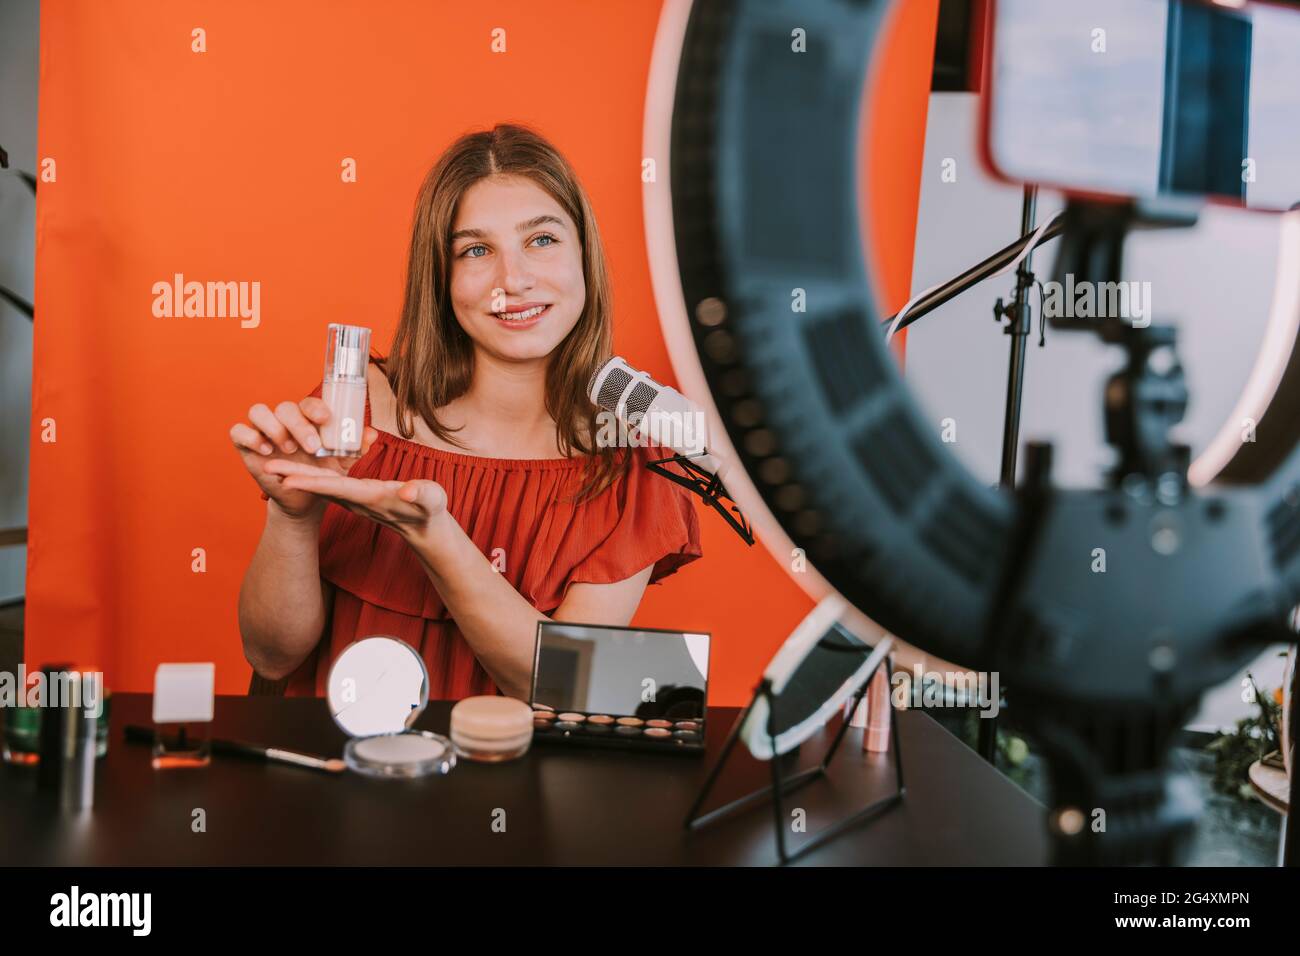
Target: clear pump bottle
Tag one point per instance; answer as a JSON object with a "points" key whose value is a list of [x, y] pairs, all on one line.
{"points": [[347, 353]]}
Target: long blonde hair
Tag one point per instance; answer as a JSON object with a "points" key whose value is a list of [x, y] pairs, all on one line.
{"points": [[432, 359]]}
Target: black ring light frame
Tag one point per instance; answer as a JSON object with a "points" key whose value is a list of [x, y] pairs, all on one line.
{"points": [[1106, 666]]}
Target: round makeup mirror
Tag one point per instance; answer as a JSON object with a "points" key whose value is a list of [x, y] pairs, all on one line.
{"points": [[379, 685]]}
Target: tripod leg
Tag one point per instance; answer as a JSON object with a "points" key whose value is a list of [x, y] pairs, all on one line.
{"points": [[716, 770], [1114, 800], [987, 739], [894, 736], [844, 726], [777, 809], [1290, 839]]}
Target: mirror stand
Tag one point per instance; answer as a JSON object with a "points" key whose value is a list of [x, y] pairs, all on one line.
{"points": [[782, 785]]}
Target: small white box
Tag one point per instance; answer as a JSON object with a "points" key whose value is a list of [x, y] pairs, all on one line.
{"points": [[183, 693]]}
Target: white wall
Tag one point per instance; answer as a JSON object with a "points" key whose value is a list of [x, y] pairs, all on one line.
{"points": [[19, 62], [1214, 282]]}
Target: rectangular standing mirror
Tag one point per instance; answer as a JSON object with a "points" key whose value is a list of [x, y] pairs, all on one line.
{"points": [[620, 671]]}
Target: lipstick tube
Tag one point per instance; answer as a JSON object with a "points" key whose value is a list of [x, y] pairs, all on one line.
{"points": [[879, 713]]}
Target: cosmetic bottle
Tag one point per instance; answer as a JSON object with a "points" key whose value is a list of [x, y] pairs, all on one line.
{"points": [[20, 741], [54, 710], [67, 721], [347, 352], [79, 728], [21, 744], [20, 725], [879, 713], [182, 712]]}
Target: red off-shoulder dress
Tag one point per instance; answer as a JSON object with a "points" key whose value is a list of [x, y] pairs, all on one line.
{"points": [[513, 504]]}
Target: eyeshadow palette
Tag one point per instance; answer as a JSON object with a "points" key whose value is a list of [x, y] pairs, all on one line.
{"points": [[620, 688], [618, 733]]}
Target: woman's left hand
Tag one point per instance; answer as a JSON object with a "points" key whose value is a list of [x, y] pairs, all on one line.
{"points": [[408, 507]]}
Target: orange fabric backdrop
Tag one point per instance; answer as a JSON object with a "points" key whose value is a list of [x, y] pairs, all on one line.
{"points": [[225, 166]]}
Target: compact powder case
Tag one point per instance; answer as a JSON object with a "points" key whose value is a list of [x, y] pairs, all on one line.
{"points": [[491, 729], [377, 688]]}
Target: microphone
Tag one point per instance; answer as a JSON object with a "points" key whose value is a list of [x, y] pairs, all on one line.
{"points": [[657, 413], [660, 415]]}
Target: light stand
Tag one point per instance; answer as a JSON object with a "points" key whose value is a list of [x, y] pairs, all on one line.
{"points": [[1099, 755], [1019, 326]]}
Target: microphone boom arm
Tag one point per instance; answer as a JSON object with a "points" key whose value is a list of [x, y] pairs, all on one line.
{"points": [[709, 487]]}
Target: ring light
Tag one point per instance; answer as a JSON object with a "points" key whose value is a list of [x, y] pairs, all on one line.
{"points": [[1106, 663]]}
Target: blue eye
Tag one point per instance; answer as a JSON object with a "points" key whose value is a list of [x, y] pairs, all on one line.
{"points": [[469, 249], [547, 235]]}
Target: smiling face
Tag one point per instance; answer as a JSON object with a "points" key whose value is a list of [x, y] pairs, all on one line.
{"points": [[516, 269]]}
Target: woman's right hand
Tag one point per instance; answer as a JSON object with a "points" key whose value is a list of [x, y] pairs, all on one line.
{"points": [[290, 431]]}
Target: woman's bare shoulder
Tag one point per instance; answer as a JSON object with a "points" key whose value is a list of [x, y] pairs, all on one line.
{"points": [[381, 397]]}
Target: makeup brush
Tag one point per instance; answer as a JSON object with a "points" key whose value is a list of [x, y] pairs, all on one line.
{"points": [[233, 748]]}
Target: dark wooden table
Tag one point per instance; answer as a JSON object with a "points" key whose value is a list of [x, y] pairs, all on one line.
{"points": [[561, 806]]}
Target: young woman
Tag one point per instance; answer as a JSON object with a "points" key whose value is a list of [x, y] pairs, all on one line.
{"points": [[482, 502]]}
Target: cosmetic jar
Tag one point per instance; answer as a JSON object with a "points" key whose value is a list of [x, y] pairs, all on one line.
{"points": [[20, 726], [491, 729], [377, 688], [22, 736]]}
